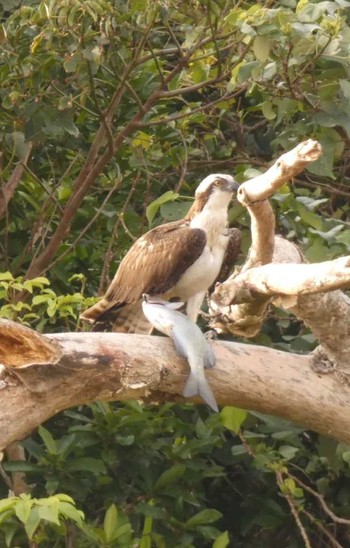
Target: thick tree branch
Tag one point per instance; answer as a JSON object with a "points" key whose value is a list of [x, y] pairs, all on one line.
{"points": [[287, 166], [91, 366], [246, 306], [286, 279], [310, 291]]}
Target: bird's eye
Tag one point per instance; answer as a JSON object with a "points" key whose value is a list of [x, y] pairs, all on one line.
{"points": [[218, 183]]}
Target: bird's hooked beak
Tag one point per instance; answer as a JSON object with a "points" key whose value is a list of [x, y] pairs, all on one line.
{"points": [[231, 186]]}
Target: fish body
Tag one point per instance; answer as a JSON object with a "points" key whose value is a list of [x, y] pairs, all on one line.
{"points": [[189, 342]]}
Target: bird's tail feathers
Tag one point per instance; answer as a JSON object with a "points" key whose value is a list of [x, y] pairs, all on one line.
{"points": [[93, 313], [195, 385], [131, 319]]}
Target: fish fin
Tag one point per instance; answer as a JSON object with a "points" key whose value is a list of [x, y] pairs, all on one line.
{"points": [[200, 386]]}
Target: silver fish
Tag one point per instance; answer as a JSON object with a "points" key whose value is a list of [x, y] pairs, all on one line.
{"points": [[189, 342]]}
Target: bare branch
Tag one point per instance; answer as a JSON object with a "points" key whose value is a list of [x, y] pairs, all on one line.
{"points": [[279, 280], [247, 304], [8, 191], [89, 366], [287, 166]]}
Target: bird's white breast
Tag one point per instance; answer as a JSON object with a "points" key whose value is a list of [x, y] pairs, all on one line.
{"points": [[203, 272]]}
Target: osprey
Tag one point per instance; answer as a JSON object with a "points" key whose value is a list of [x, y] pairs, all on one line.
{"points": [[180, 259]]}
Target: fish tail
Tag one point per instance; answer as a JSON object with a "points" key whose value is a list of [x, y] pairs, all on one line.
{"points": [[195, 385]]}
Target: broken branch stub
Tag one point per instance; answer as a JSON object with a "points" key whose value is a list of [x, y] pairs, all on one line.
{"points": [[21, 347], [287, 166]]}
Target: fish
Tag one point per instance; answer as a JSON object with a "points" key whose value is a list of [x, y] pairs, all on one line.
{"points": [[189, 341]]}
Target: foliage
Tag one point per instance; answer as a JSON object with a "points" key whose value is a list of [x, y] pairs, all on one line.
{"points": [[111, 112], [182, 477]]}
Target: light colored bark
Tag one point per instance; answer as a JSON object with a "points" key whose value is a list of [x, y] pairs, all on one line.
{"points": [[287, 166], [286, 279], [310, 291], [249, 305], [104, 366]]}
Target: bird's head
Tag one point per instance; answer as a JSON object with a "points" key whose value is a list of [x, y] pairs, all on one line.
{"points": [[214, 192], [217, 182]]}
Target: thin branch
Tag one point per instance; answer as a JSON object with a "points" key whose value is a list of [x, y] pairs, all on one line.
{"points": [[293, 509], [194, 87], [8, 191], [316, 522], [103, 119], [89, 172], [202, 108], [323, 504], [104, 278], [88, 226]]}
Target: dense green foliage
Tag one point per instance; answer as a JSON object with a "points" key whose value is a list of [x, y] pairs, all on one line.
{"points": [[111, 112]]}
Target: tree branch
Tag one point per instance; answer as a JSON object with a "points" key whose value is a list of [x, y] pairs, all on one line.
{"points": [[287, 166], [8, 191], [286, 279], [246, 306], [310, 291], [90, 366]]}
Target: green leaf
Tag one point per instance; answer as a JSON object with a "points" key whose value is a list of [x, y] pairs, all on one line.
{"points": [[268, 111], [48, 440], [237, 450], [22, 509], [6, 276], [261, 47], [39, 281], [48, 509], [148, 509], [309, 218], [69, 511], [5, 504], [346, 456], [233, 418], [110, 524], [21, 466], [288, 451], [202, 518], [154, 206], [32, 522], [169, 476], [62, 497], [222, 541], [146, 541], [87, 464]]}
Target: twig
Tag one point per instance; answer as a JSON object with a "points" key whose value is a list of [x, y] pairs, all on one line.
{"points": [[319, 497], [88, 226], [317, 523], [202, 108], [293, 509], [8, 191], [109, 254]]}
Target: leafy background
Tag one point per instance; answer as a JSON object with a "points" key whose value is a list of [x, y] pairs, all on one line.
{"points": [[106, 129]]}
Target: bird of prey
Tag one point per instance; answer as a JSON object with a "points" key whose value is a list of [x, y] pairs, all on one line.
{"points": [[176, 260]]}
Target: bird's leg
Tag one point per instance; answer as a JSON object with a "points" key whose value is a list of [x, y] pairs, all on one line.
{"points": [[194, 304]]}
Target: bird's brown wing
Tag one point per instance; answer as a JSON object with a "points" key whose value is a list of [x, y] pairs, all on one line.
{"points": [[153, 265]]}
